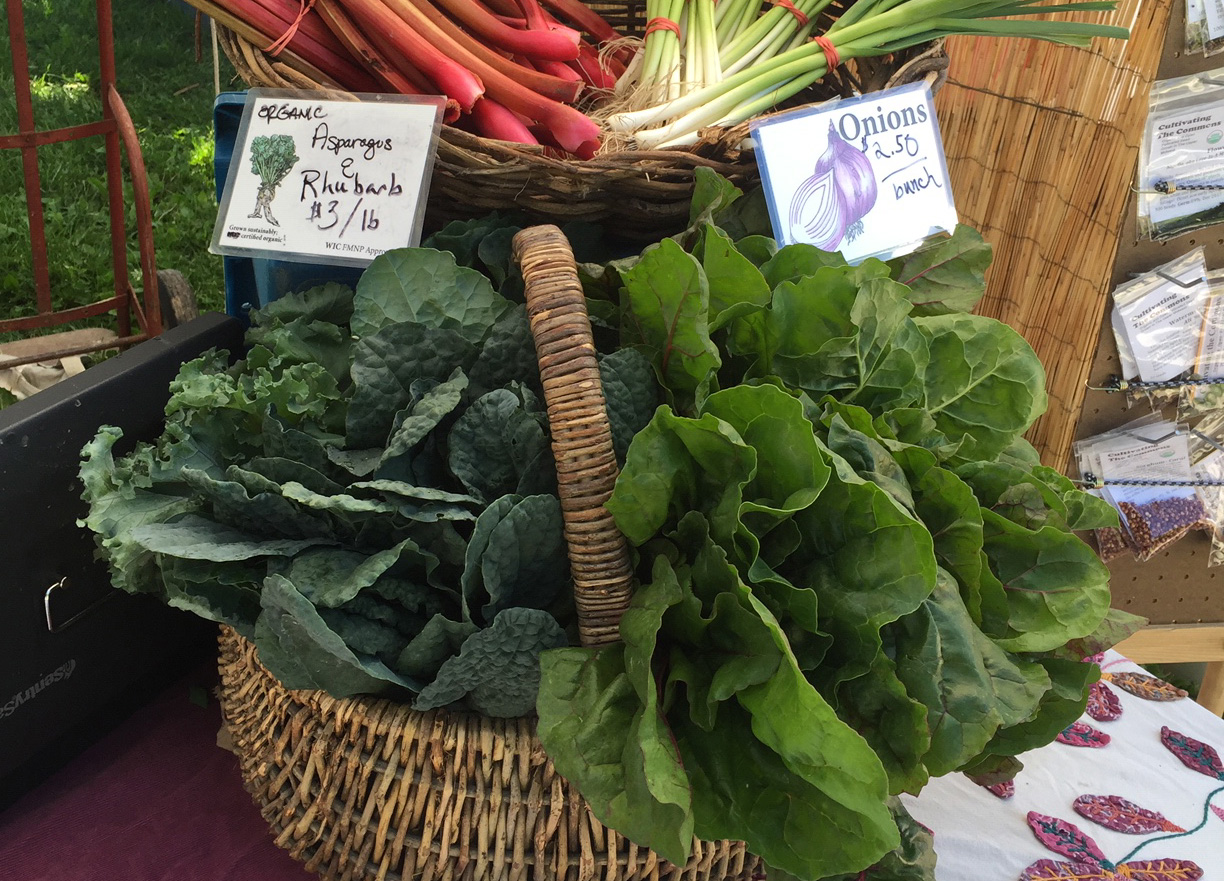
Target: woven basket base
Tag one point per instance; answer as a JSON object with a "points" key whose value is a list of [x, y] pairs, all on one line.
{"points": [[362, 789]]}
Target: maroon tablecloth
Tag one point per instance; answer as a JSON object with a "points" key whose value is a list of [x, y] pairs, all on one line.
{"points": [[153, 800]]}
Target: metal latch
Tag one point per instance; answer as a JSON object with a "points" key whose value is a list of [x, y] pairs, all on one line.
{"points": [[63, 583]]}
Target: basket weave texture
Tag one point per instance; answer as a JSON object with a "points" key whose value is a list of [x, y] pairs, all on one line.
{"points": [[641, 195], [367, 788]]}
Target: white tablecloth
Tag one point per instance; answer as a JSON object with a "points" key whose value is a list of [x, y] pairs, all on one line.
{"points": [[982, 837]]}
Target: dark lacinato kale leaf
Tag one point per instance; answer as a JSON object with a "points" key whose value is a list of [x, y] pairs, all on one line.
{"points": [[440, 639], [499, 446], [385, 366], [507, 355], [497, 671], [630, 395], [302, 651]]}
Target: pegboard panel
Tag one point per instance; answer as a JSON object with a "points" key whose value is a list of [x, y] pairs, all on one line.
{"points": [[1176, 586]]}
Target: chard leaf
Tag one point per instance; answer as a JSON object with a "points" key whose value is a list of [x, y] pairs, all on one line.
{"points": [[939, 660], [791, 718], [712, 193], [655, 803], [192, 537], [878, 707], [425, 287], [669, 304], [386, 364], [1115, 627], [300, 650], [630, 395], [1060, 705], [791, 467], [990, 385], [498, 668], [948, 275], [744, 790], [758, 249], [1057, 588], [869, 561], [497, 447], [840, 334], [676, 465], [440, 639], [736, 286], [793, 262]]}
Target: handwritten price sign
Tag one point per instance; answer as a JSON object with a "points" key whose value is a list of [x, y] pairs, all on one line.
{"points": [[864, 176], [327, 181]]}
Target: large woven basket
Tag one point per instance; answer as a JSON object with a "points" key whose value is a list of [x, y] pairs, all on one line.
{"points": [[362, 788], [641, 195]]}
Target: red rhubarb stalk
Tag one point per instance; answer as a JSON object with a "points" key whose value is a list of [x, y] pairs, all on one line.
{"points": [[324, 64], [559, 69], [492, 120], [554, 45], [427, 19], [577, 13], [337, 20], [446, 73], [308, 22], [597, 73], [573, 131]]}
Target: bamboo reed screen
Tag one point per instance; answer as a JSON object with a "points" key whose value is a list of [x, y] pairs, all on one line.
{"points": [[1042, 142]]}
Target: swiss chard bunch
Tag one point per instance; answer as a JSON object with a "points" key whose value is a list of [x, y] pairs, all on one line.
{"points": [[368, 493], [854, 573]]}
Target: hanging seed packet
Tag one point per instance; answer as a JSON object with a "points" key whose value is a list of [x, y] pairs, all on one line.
{"points": [[1157, 319], [1154, 516], [1196, 26], [864, 176], [1198, 399], [1181, 157], [1211, 14]]}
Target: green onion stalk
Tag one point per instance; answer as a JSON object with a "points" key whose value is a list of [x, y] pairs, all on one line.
{"points": [[867, 28]]}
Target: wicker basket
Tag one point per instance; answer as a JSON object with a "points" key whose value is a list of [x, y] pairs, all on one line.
{"points": [[364, 788], [641, 195]]}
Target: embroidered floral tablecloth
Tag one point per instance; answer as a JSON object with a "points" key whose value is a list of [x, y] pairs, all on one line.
{"points": [[1134, 790]]}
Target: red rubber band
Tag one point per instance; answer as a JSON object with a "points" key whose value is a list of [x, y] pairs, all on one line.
{"points": [[795, 11], [661, 24], [304, 6], [832, 59]]}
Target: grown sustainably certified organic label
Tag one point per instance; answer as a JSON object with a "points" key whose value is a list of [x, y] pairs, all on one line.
{"points": [[319, 180]]}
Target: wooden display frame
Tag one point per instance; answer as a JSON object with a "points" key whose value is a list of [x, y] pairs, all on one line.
{"points": [[1176, 591]]}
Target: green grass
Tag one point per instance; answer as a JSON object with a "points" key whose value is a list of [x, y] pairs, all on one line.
{"points": [[169, 95]]}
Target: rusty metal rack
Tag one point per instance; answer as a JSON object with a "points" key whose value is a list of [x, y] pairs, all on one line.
{"points": [[136, 318]]}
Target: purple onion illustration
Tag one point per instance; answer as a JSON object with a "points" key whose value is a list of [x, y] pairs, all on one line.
{"points": [[830, 205]]}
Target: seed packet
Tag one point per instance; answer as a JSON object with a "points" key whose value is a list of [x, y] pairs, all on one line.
{"points": [[1158, 317], [1196, 26], [1209, 472], [1181, 156], [1132, 463], [1198, 399], [1211, 16]]}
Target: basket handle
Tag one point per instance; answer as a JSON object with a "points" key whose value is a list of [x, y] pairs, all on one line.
{"points": [[581, 438]]}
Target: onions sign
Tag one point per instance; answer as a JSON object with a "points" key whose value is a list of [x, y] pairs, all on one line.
{"points": [[879, 183]]}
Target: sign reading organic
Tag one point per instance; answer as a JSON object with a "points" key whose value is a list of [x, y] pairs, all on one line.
{"points": [[327, 181], [864, 176]]}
